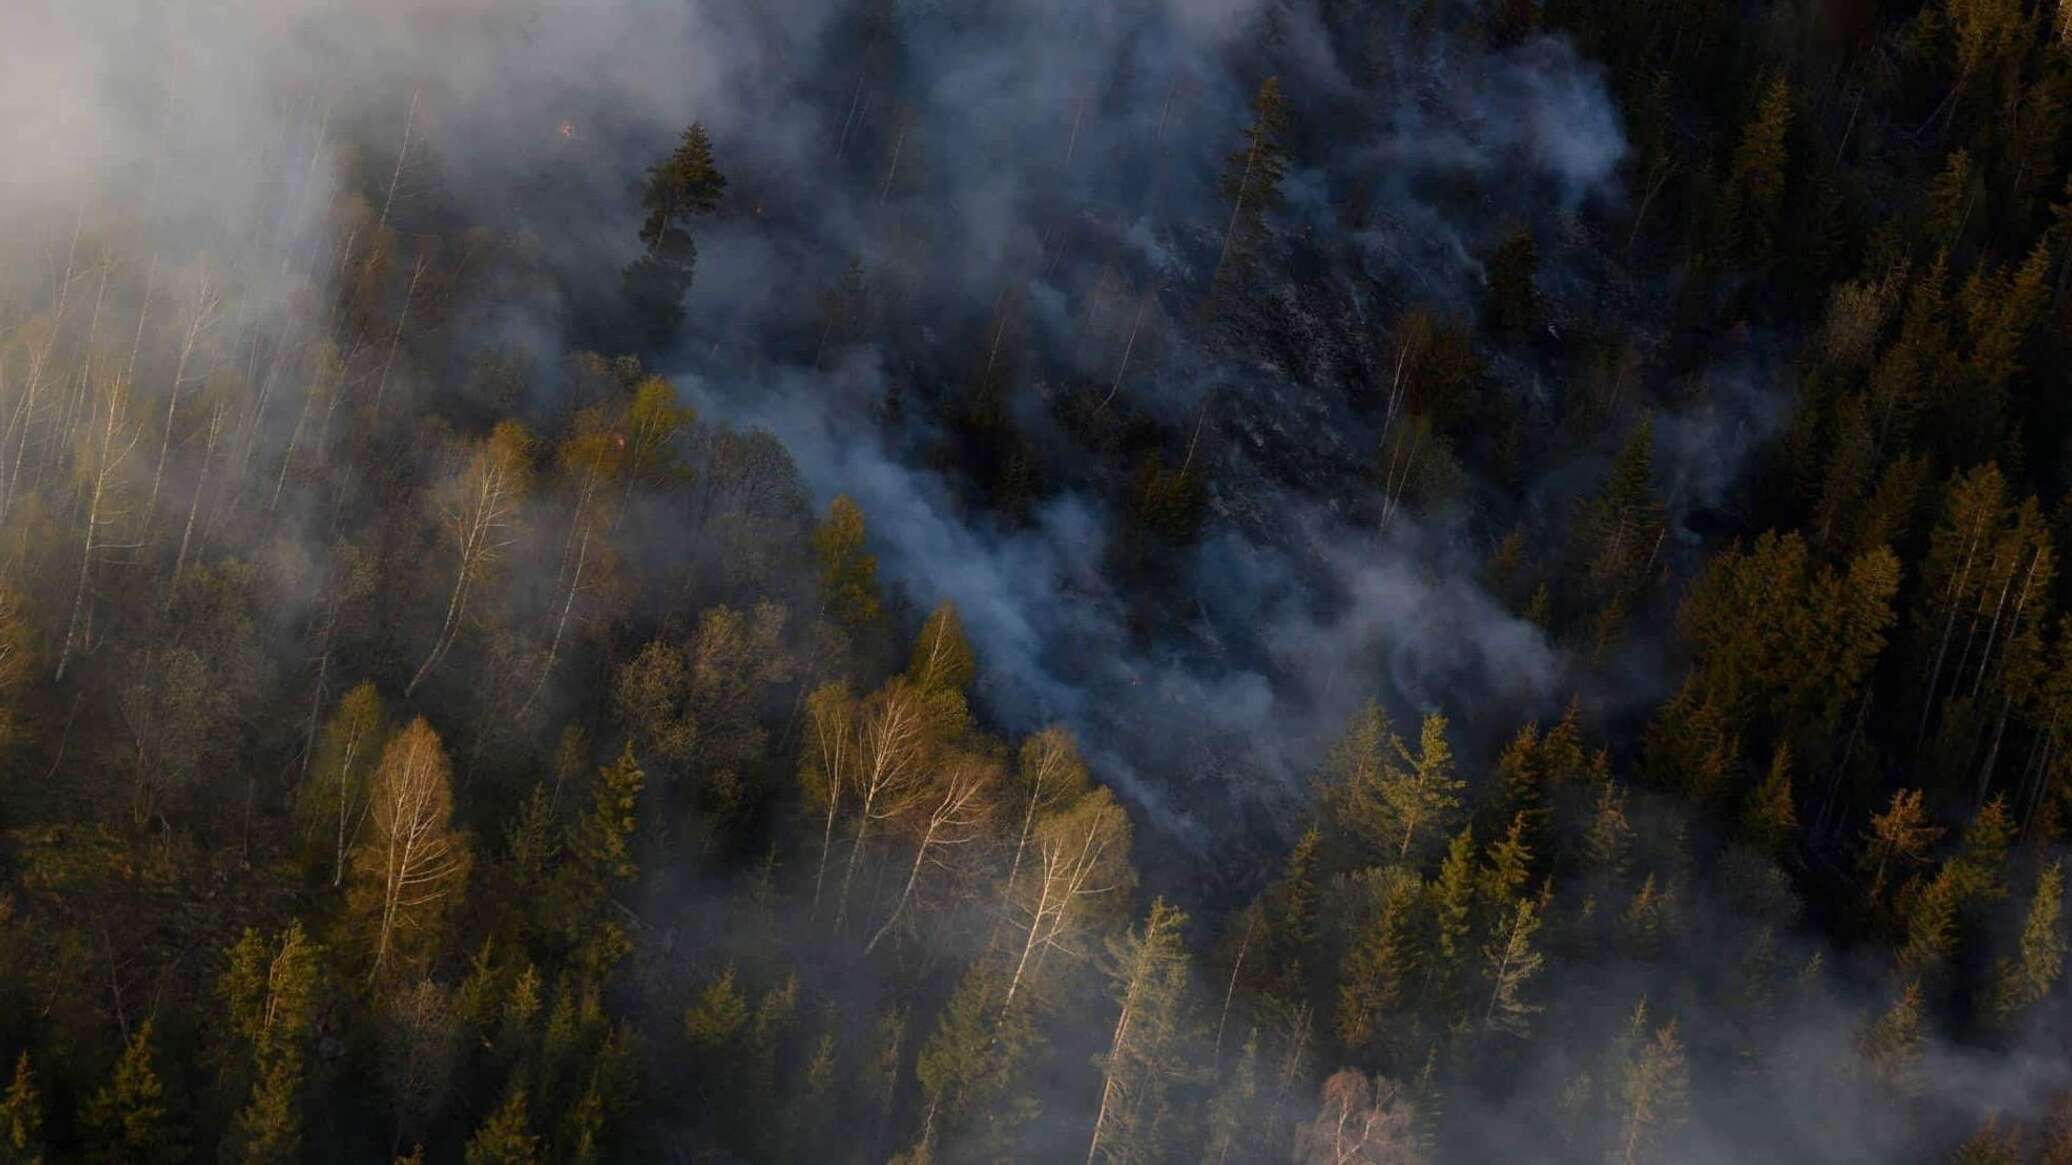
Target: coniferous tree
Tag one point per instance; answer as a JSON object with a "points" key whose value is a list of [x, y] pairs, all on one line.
{"points": [[1772, 814], [848, 573], [129, 1118], [942, 656], [505, 1138], [682, 186], [1253, 173], [333, 802], [1512, 962], [1148, 969], [21, 1117], [2039, 962], [1891, 1044], [1619, 532], [1757, 187], [601, 844], [1653, 1091]]}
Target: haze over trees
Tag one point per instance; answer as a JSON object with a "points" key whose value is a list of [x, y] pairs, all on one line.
{"points": [[1307, 583]]}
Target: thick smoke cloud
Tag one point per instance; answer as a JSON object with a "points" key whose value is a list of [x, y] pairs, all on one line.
{"points": [[1045, 148], [1087, 151]]}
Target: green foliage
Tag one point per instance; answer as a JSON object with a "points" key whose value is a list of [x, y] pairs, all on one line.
{"points": [[848, 573], [970, 1065], [1891, 1045], [1383, 793], [1618, 533], [1252, 174], [1771, 817], [504, 1138], [2025, 980], [942, 656], [21, 1117], [680, 187], [718, 1017], [601, 844], [129, 1117], [1756, 190]]}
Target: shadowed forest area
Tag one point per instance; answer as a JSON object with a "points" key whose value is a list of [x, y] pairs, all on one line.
{"points": [[1137, 581]]}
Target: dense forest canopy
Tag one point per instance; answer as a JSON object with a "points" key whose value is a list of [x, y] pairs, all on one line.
{"points": [[1151, 581]]}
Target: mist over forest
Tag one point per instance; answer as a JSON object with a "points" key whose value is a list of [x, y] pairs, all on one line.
{"points": [[895, 582]]}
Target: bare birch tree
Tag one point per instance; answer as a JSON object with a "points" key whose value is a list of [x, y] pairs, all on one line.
{"points": [[101, 462], [947, 813], [480, 512], [825, 765], [413, 864], [1081, 856], [896, 735]]}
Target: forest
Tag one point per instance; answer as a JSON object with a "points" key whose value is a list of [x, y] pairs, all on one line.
{"points": [[888, 582]]}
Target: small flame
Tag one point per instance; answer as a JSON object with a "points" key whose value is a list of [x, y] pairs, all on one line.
{"points": [[568, 130]]}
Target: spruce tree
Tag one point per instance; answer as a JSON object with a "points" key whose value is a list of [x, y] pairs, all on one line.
{"points": [[128, 1118], [506, 1137], [848, 571], [2039, 962], [682, 186], [21, 1118], [1252, 173]]}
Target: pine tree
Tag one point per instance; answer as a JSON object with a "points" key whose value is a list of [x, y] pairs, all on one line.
{"points": [[1648, 918], [1949, 200], [333, 802], [1618, 533], [129, 1118], [1427, 796], [1149, 976], [2026, 979], [682, 186], [1990, 1145], [1898, 838], [1846, 617], [1452, 895], [21, 1118], [1372, 980], [601, 843], [1506, 867], [968, 1068], [505, 1139], [1756, 190], [270, 991], [268, 1130], [718, 1017], [1231, 1109], [1608, 844], [1653, 1093], [1891, 1045], [1519, 780], [848, 573], [1772, 815], [1512, 963], [1978, 871], [1252, 174], [942, 657], [1293, 899]]}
